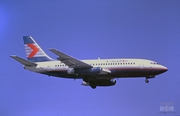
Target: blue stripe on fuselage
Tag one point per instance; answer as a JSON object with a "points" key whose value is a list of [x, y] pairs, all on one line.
{"points": [[39, 59]]}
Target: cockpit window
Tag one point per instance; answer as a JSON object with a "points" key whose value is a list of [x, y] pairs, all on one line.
{"points": [[155, 63]]}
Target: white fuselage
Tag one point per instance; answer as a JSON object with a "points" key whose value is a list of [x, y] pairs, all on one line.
{"points": [[116, 67]]}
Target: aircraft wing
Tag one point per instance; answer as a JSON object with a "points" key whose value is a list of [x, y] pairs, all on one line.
{"points": [[70, 61], [23, 61]]}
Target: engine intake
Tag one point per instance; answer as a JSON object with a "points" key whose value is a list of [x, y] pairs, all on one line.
{"points": [[70, 71]]}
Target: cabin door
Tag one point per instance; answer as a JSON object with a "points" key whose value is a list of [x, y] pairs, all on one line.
{"points": [[141, 66]]}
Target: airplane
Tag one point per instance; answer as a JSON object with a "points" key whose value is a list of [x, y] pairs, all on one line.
{"points": [[94, 72]]}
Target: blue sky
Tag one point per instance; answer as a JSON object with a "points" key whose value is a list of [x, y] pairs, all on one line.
{"points": [[88, 30]]}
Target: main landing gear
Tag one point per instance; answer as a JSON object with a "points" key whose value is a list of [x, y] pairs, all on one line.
{"points": [[92, 84]]}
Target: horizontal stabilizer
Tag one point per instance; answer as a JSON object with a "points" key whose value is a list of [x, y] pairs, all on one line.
{"points": [[23, 61]]}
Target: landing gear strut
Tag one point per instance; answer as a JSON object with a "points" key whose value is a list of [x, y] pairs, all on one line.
{"points": [[92, 84], [147, 81]]}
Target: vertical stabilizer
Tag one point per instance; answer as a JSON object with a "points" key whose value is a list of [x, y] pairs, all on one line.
{"points": [[33, 50]]}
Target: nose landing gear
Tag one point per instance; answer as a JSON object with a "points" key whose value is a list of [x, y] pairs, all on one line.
{"points": [[147, 81], [149, 77]]}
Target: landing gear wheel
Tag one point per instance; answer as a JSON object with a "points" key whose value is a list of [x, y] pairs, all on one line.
{"points": [[147, 81], [86, 79], [93, 85]]}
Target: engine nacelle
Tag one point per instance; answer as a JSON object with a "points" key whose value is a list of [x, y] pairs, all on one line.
{"points": [[95, 70], [70, 71]]}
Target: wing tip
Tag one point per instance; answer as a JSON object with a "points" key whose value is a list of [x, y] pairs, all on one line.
{"points": [[13, 56], [52, 49]]}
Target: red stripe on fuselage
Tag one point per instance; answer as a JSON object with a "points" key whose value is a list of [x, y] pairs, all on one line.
{"points": [[34, 50], [136, 68]]}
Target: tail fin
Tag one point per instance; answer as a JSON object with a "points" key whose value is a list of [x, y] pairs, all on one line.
{"points": [[33, 50]]}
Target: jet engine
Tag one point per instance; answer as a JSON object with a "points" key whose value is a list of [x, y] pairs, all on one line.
{"points": [[70, 71], [94, 70]]}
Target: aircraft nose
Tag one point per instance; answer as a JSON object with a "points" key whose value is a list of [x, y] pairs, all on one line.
{"points": [[164, 69]]}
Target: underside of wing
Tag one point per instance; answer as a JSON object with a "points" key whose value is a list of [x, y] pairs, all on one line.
{"points": [[70, 61], [98, 82]]}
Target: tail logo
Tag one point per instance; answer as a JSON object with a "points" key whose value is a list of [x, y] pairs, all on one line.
{"points": [[34, 50]]}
